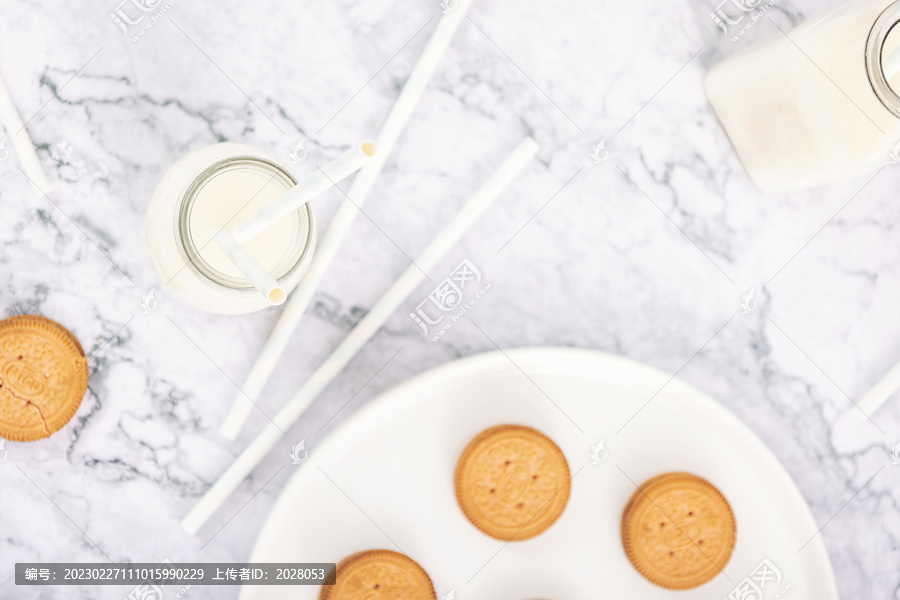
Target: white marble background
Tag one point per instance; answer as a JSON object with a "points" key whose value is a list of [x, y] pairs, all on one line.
{"points": [[595, 263]]}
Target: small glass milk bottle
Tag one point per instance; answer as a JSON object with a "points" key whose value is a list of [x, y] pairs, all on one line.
{"points": [[216, 186], [817, 104]]}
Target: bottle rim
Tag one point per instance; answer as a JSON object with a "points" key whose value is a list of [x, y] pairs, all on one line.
{"points": [[192, 254]]}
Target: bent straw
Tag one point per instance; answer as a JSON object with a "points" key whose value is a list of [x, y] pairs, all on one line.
{"points": [[328, 247], [358, 336], [308, 188], [12, 121], [261, 279]]}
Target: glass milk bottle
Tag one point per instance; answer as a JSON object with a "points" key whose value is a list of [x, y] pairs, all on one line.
{"points": [[819, 106], [216, 186]]}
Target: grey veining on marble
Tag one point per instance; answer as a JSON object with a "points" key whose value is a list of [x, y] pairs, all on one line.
{"points": [[647, 254]]}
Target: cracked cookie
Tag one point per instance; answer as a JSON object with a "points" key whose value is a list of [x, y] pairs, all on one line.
{"points": [[678, 531], [43, 377], [512, 482]]}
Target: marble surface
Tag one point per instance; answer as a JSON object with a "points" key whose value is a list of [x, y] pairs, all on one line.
{"points": [[646, 254]]}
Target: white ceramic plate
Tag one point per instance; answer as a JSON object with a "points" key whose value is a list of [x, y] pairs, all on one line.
{"points": [[384, 479]]}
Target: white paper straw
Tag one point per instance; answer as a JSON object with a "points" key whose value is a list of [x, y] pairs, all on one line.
{"points": [[879, 394], [308, 188], [261, 279], [11, 120], [359, 335], [890, 383], [328, 247]]}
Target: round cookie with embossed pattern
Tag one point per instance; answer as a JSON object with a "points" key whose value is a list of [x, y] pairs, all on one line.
{"points": [[512, 482], [678, 531], [379, 575], [43, 377]]}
